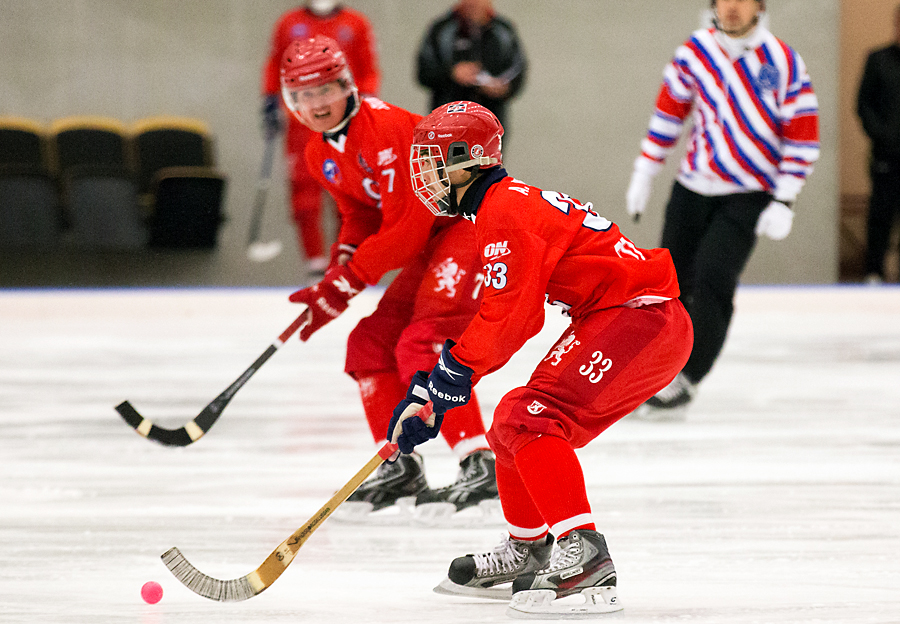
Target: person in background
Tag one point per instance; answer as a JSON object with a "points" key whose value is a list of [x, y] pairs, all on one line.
{"points": [[754, 140], [629, 337], [472, 54], [353, 32], [878, 106], [361, 156]]}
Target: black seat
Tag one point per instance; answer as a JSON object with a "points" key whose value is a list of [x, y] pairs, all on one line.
{"points": [[29, 205], [100, 194], [179, 181]]}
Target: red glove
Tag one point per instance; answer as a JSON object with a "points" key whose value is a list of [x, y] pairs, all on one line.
{"points": [[327, 299]]}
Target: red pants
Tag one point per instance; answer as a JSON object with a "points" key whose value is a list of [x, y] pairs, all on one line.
{"points": [[602, 368], [306, 193], [432, 299]]}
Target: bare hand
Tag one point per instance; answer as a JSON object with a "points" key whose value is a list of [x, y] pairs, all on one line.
{"points": [[466, 73]]}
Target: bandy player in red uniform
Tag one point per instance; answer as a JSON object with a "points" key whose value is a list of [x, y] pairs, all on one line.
{"points": [[353, 32], [362, 158], [628, 338]]}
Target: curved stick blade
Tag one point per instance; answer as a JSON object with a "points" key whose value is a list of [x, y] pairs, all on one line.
{"points": [[233, 590], [168, 437]]}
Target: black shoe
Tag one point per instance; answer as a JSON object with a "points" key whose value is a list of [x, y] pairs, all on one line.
{"points": [[477, 481], [477, 575], [405, 477], [670, 403]]}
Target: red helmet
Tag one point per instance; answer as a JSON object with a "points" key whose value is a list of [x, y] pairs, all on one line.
{"points": [[308, 69], [458, 135]]}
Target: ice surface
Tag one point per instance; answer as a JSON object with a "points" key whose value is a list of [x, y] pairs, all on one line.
{"points": [[777, 500]]}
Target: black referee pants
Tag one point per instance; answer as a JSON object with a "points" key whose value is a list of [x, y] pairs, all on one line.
{"points": [[710, 239], [884, 207]]}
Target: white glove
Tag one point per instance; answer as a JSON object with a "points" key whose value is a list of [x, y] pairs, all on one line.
{"points": [[775, 221], [638, 194]]}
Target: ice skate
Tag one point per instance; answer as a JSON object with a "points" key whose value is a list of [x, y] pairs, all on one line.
{"points": [[581, 565], [479, 575], [670, 403], [475, 489], [391, 492]]}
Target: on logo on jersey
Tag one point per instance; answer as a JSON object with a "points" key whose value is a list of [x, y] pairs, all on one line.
{"points": [[386, 157], [331, 172], [496, 250]]}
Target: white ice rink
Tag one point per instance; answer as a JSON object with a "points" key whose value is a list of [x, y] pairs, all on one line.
{"points": [[777, 500]]}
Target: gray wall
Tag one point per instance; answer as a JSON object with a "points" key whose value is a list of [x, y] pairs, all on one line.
{"points": [[595, 67]]}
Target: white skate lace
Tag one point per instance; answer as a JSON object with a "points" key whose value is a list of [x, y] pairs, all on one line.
{"points": [[565, 557], [504, 559]]}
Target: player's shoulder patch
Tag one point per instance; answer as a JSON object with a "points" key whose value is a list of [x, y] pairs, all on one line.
{"points": [[375, 104]]}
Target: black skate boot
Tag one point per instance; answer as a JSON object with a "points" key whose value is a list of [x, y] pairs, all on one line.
{"points": [[670, 403], [477, 482], [404, 478], [478, 575], [581, 565]]}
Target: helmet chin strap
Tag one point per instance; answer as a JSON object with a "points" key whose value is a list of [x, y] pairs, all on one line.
{"points": [[349, 112]]}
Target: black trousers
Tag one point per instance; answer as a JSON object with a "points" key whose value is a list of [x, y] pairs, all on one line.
{"points": [[710, 239], [884, 207]]}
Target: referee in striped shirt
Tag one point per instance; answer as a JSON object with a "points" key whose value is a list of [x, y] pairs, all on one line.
{"points": [[754, 138]]}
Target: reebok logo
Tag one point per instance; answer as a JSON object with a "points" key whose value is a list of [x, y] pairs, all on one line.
{"points": [[344, 286], [322, 302], [453, 398], [450, 373]]}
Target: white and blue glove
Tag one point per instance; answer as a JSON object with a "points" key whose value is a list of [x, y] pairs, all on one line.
{"points": [[449, 385]]}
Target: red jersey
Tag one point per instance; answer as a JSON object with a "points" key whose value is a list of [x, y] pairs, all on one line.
{"points": [[539, 246], [365, 168], [351, 29]]}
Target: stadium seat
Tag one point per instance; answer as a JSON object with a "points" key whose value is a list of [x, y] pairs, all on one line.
{"points": [[92, 158], [29, 206], [179, 181]]}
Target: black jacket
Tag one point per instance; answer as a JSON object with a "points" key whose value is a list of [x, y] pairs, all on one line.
{"points": [[449, 40], [878, 103]]}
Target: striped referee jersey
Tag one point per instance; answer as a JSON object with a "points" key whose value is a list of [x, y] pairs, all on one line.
{"points": [[754, 116]]}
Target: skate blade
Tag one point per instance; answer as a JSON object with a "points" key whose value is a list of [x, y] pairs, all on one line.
{"points": [[449, 588], [485, 513], [354, 512], [539, 604], [648, 413]]}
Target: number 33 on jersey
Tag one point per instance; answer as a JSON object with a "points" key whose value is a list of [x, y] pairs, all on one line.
{"points": [[539, 246]]}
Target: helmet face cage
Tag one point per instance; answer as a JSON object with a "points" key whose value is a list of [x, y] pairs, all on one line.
{"points": [[303, 100], [430, 181]]}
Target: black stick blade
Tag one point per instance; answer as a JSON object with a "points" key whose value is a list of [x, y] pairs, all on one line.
{"points": [[222, 591], [144, 427]]}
